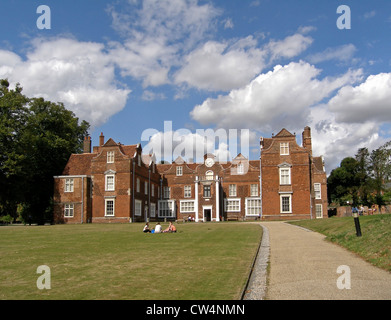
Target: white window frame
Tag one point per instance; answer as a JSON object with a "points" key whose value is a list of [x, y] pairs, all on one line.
{"points": [[232, 205], [240, 168], [179, 171], [187, 206], [138, 207], [204, 191], [106, 202], [254, 190], [285, 195], [318, 191], [110, 156], [109, 186], [285, 176], [69, 210], [153, 210], [152, 190], [187, 191], [69, 185], [284, 148], [250, 207], [166, 209], [319, 211], [232, 191], [166, 192]]}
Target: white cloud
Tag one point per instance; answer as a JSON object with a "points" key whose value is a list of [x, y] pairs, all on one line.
{"points": [[151, 96], [369, 15], [228, 24], [289, 47], [156, 34], [369, 101], [335, 140], [226, 66], [222, 66], [341, 53], [272, 100], [79, 74]]}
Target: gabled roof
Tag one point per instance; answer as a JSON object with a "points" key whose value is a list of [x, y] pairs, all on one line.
{"points": [[110, 143], [239, 157], [283, 134]]}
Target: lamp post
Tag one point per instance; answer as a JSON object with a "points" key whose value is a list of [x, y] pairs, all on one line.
{"points": [[357, 222]]}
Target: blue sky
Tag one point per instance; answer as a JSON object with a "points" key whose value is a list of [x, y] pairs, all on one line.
{"points": [[129, 65]]}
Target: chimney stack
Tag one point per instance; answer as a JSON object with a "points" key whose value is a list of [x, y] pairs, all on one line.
{"points": [[101, 140], [307, 141], [87, 144]]}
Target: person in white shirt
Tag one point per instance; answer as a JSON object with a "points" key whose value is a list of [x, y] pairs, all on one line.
{"points": [[146, 228], [158, 228]]}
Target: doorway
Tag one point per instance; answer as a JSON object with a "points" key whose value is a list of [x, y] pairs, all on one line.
{"points": [[207, 214]]}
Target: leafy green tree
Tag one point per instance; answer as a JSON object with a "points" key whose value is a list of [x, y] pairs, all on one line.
{"points": [[13, 118], [365, 181], [36, 139], [343, 182], [380, 171]]}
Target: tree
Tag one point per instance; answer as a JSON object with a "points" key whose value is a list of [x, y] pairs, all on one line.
{"points": [[13, 118], [380, 171], [362, 179], [365, 181], [40, 137], [343, 182]]}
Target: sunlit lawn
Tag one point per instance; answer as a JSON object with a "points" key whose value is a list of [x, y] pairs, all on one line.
{"points": [[119, 261]]}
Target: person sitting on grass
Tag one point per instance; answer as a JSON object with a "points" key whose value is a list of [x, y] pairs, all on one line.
{"points": [[158, 228], [146, 228], [171, 228]]}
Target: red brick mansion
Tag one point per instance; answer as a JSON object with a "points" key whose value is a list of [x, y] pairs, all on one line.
{"points": [[117, 183]]}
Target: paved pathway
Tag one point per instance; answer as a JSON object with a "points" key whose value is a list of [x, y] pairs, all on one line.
{"points": [[304, 266]]}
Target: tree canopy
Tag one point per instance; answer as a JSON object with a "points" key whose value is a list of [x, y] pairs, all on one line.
{"points": [[362, 179], [36, 139]]}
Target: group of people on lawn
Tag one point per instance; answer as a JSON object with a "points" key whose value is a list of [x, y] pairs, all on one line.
{"points": [[158, 228]]}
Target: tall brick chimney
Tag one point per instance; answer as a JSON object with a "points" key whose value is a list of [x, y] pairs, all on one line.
{"points": [[101, 140], [87, 144], [307, 141]]}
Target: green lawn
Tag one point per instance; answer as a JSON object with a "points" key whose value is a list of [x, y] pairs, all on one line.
{"points": [[118, 261], [375, 243]]}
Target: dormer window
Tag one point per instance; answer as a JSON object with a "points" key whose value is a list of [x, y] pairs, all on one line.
{"points": [[179, 171], [110, 157], [284, 148]]}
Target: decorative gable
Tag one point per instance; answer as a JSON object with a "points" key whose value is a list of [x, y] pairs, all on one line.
{"points": [[284, 134]]}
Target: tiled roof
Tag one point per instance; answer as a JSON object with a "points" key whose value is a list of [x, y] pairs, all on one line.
{"points": [[79, 164], [128, 150]]}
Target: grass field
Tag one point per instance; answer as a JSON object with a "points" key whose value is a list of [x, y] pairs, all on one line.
{"points": [[118, 261], [375, 243]]}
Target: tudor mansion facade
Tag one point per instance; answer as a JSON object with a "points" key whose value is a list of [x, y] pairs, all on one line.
{"points": [[117, 183]]}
